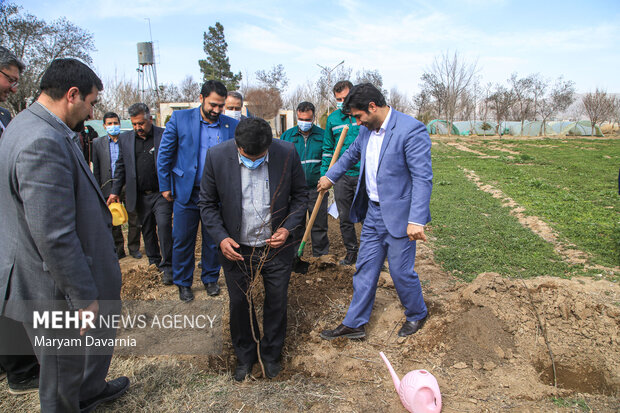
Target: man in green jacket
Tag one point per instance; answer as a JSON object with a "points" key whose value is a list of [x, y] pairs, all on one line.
{"points": [[308, 140], [344, 189]]}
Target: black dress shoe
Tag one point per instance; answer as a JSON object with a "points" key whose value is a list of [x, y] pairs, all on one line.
{"points": [[113, 390], [349, 259], [212, 289], [272, 368], [410, 327], [166, 277], [185, 294], [136, 254], [29, 385], [242, 371], [121, 254], [343, 331]]}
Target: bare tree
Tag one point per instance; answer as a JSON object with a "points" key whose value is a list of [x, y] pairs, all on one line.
{"points": [[522, 92], [560, 97], [325, 84], [306, 92], [423, 106], [118, 94], [597, 106], [189, 89], [273, 79], [500, 102], [435, 91], [370, 76], [37, 43], [454, 76], [399, 101], [263, 102], [169, 93]]}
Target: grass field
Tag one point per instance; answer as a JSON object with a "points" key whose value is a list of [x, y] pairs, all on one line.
{"points": [[572, 185]]}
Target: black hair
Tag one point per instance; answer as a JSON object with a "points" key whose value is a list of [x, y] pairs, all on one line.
{"points": [[360, 97], [63, 74], [138, 108], [253, 135], [110, 115], [7, 58], [342, 85], [306, 106], [213, 86]]}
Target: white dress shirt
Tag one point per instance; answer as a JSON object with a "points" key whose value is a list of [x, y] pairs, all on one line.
{"points": [[372, 158]]}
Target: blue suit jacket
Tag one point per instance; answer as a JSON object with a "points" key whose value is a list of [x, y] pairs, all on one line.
{"points": [[404, 176], [177, 162]]}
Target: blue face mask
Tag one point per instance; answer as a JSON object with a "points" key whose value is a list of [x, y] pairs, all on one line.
{"points": [[113, 129], [304, 125], [339, 105], [250, 164]]}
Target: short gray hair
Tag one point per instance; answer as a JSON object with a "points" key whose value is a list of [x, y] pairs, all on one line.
{"points": [[7, 58], [138, 108], [236, 95]]}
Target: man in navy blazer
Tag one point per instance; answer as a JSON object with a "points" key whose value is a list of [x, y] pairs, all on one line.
{"points": [[189, 134], [392, 198]]}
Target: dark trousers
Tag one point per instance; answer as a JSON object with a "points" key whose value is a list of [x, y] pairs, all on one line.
{"points": [[14, 339], [276, 272], [155, 214], [344, 191], [65, 379], [318, 234], [133, 234]]}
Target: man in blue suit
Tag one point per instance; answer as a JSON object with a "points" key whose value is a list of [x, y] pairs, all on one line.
{"points": [[180, 163], [392, 198]]}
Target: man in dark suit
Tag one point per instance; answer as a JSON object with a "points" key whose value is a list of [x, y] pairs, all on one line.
{"points": [[56, 245], [392, 198], [188, 136], [252, 196], [105, 154], [136, 170], [22, 370]]}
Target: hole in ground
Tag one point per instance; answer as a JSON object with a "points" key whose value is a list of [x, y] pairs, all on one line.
{"points": [[579, 378]]}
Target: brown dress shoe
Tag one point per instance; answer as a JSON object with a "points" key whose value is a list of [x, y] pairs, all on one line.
{"points": [[343, 331]]}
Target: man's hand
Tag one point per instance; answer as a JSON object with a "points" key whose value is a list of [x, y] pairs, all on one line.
{"points": [[324, 184], [228, 246], [167, 196], [278, 238], [416, 232], [92, 308], [113, 198]]}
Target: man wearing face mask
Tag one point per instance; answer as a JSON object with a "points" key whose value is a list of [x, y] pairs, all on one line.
{"points": [[105, 154], [234, 105], [344, 189], [189, 134], [308, 140], [252, 196]]}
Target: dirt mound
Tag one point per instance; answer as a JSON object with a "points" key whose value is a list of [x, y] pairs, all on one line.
{"points": [[482, 341]]}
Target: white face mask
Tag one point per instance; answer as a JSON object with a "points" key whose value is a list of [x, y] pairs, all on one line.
{"points": [[235, 114]]}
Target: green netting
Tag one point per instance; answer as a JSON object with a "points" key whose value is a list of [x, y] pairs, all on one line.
{"points": [[581, 128], [475, 127], [440, 127]]}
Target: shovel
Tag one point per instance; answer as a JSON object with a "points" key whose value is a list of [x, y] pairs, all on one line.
{"points": [[299, 266]]}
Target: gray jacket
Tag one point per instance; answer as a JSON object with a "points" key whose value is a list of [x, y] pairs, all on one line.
{"points": [[55, 242]]}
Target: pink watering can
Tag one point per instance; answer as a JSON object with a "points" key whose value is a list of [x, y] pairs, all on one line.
{"points": [[418, 390]]}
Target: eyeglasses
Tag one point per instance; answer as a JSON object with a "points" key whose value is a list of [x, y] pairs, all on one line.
{"points": [[14, 82]]}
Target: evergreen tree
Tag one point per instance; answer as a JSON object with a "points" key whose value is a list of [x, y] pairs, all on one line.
{"points": [[216, 66]]}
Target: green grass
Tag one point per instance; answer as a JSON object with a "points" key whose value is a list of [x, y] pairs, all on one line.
{"points": [[476, 234], [576, 404], [570, 185]]}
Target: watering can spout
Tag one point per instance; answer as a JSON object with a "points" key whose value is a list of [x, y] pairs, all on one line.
{"points": [[395, 378]]}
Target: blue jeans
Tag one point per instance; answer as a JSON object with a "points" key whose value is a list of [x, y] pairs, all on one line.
{"points": [[375, 244]]}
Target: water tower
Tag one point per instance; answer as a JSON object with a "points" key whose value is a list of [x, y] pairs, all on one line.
{"points": [[147, 72]]}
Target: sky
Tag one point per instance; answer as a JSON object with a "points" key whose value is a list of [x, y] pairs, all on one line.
{"points": [[578, 40]]}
